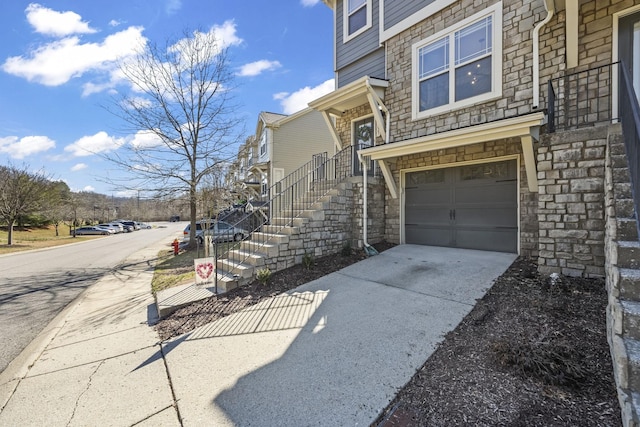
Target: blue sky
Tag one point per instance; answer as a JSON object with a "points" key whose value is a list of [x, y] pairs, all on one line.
{"points": [[57, 70]]}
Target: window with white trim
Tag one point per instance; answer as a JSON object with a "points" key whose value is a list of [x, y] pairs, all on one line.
{"points": [[356, 17], [460, 66], [263, 143]]}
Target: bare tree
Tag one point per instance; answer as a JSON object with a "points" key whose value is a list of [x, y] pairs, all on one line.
{"points": [[21, 193], [182, 111]]}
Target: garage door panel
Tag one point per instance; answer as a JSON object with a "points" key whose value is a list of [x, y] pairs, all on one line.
{"points": [[494, 193], [492, 217], [499, 240], [427, 235], [428, 215]]}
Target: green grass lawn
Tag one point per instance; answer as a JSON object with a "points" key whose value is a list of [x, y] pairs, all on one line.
{"points": [[37, 238]]}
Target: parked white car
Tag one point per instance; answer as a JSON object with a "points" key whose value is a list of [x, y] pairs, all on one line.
{"points": [[221, 232], [112, 227]]}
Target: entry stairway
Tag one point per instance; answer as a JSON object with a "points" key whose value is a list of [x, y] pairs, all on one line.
{"points": [[295, 219], [266, 247]]}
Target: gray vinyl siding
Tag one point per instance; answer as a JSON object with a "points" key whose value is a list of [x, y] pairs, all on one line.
{"points": [[372, 65], [297, 140], [360, 46], [397, 10]]}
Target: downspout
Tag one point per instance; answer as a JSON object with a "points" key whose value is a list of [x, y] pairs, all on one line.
{"points": [[368, 249], [548, 5]]}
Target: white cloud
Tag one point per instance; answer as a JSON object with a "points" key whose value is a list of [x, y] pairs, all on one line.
{"points": [[114, 23], [53, 23], [101, 142], [173, 6], [257, 67], [79, 167], [89, 189], [58, 62], [145, 139], [19, 148], [298, 100], [309, 3], [226, 34]]}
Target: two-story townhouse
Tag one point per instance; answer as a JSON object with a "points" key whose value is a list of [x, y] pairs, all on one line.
{"points": [[455, 90], [498, 126], [285, 143]]}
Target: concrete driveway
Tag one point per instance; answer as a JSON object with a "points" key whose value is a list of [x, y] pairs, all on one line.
{"points": [[334, 351]]}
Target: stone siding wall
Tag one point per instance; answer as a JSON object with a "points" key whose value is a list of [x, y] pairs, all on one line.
{"points": [[571, 202], [519, 18]]}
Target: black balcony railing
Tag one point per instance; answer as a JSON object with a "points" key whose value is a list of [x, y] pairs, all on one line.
{"points": [[630, 118], [581, 99], [586, 99]]}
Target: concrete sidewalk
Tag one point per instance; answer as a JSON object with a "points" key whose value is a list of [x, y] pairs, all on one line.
{"points": [[333, 352]]}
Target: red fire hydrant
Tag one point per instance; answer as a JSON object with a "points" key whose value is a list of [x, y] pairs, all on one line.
{"points": [[176, 246]]}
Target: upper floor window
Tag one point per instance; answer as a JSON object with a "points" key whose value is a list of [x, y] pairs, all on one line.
{"points": [[263, 143], [459, 66], [357, 17]]}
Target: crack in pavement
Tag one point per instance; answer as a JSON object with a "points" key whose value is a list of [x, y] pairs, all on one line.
{"points": [[75, 407]]}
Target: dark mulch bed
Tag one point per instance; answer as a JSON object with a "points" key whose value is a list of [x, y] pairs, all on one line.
{"points": [[210, 309], [531, 353]]}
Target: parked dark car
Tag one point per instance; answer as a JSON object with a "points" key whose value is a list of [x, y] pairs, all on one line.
{"points": [[175, 218], [87, 231]]}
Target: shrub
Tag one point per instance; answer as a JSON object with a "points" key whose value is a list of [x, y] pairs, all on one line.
{"points": [[307, 260], [553, 363], [263, 275], [346, 249]]}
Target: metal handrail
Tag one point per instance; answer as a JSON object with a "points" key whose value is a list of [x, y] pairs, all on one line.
{"points": [[290, 197], [630, 118]]}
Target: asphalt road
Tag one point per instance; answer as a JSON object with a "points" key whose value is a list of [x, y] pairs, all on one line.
{"points": [[36, 285]]}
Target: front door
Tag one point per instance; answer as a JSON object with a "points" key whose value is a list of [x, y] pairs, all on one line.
{"points": [[362, 138]]}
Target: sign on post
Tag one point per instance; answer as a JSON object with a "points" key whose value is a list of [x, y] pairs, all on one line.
{"points": [[205, 270]]}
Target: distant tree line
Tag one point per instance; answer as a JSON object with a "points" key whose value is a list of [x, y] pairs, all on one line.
{"points": [[32, 199]]}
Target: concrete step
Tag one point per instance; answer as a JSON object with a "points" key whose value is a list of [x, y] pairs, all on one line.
{"points": [[279, 229], [629, 284], [625, 208], [265, 249], [248, 257], [627, 229], [632, 348], [628, 254], [295, 222], [623, 190], [260, 236], [234, 268], [630, 319]]}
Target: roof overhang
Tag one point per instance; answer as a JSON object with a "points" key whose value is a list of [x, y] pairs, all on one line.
{"points": [[524, 127], [350, 96], [365, 90]]}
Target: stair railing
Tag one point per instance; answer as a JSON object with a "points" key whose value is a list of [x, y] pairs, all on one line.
{"points": [[289, 198], [630, 118]]}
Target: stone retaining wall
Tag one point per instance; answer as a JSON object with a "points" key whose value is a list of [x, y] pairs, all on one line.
{"points": [[336, 223], [622, 278], [571, 169]]}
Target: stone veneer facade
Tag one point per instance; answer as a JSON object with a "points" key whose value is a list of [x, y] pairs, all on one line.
{"points": [[571, 169]]}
